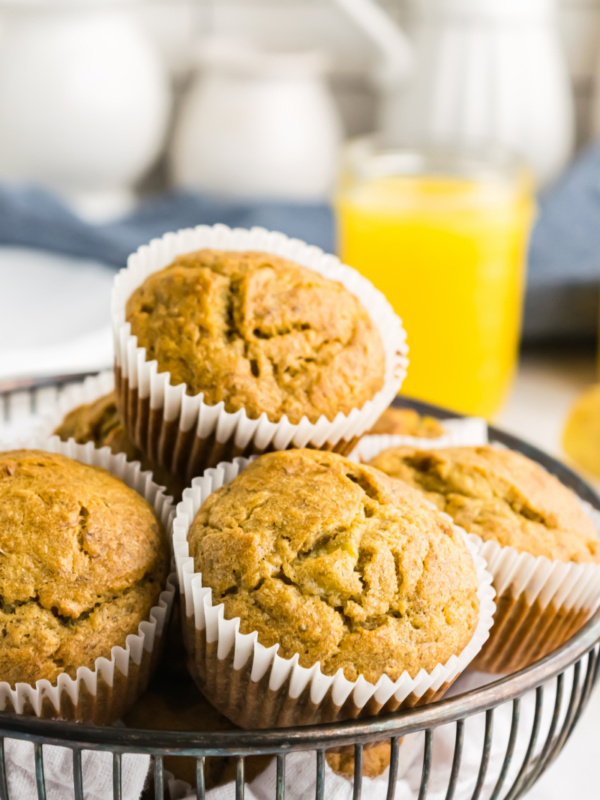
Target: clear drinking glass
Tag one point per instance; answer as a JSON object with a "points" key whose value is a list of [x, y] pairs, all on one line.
{"points": [[444, 235]]}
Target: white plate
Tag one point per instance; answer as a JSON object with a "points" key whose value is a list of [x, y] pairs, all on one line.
{"points": [[54, 314]]}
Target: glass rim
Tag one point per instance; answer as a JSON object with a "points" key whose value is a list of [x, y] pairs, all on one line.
{"points": [[367, 159]]}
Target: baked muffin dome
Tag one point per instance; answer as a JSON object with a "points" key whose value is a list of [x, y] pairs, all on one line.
{"points": [[83, 559], [99, 422], [499, 494], [338, 563], [260, 333]]}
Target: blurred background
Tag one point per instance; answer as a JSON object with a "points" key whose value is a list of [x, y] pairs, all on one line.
{"points": [[448, 149]]}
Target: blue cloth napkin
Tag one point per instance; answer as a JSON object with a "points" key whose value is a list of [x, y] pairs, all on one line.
{"points": [[31, 217], [564, 260], [563, 283]]}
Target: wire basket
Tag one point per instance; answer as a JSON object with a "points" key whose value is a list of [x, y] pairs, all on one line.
{"points": [[535, 710]]}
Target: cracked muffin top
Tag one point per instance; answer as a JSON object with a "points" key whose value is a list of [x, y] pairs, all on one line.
{"points": [[83, 559], [499, 494], [338, 563], [260, 333], [99, 422]]}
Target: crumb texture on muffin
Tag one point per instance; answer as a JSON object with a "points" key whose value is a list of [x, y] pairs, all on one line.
{"points": [[499, 494], [99, 422], [338, 563], [83, 559], [406, 422], [259, 332], [376, 759]]}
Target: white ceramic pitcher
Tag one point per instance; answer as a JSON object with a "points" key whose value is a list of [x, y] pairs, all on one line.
{"points": [[482, 72], [84, 100], [257, 124]]}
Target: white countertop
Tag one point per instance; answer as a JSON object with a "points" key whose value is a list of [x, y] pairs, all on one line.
{"points": [[54, 314], [54, 317]]}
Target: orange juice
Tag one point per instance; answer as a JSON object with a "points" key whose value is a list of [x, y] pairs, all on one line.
{"points": [[448, 249]]}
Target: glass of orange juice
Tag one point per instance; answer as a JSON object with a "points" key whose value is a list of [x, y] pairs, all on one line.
{"points": [[444, 236]]}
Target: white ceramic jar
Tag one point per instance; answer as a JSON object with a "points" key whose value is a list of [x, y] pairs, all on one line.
{"points": [[84, 100], [257, 124], [486, 72]]}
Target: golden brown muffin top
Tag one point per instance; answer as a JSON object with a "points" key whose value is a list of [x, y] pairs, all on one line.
{"points": [[259, 332], [338, 563], [501, 495], [99, 422], [82, 560], [406, 422]]}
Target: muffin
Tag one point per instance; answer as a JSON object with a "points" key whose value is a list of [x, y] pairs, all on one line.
{"points": [[335, 565], [500, 495], [258, 332], [376, 759], [407, 422], [520, 512], [180, 706], [240, 349], [99, 422], [84, 561]]}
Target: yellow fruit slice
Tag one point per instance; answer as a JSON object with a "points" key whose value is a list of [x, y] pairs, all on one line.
{"points": [[581, 435]]}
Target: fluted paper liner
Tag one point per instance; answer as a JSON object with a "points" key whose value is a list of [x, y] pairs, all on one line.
{"points": [[93, 388], [540, 603], [257, 688], [102, 694], [467, 432], [183, 433]]}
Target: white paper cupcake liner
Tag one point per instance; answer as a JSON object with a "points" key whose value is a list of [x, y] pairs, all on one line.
{"points": [[257, 688], [182, 432], [468, 432], [102, 694], [540, 603]]}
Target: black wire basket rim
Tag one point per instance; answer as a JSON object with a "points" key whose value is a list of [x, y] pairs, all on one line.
{"points": [[324, 736], [242, 742]]}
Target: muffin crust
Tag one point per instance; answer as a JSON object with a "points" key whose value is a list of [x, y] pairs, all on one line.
{"points": [[99, 422], [259, 332], [83, 559], [406, 422], [501, 495], [376, 759], [338, 563]]}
